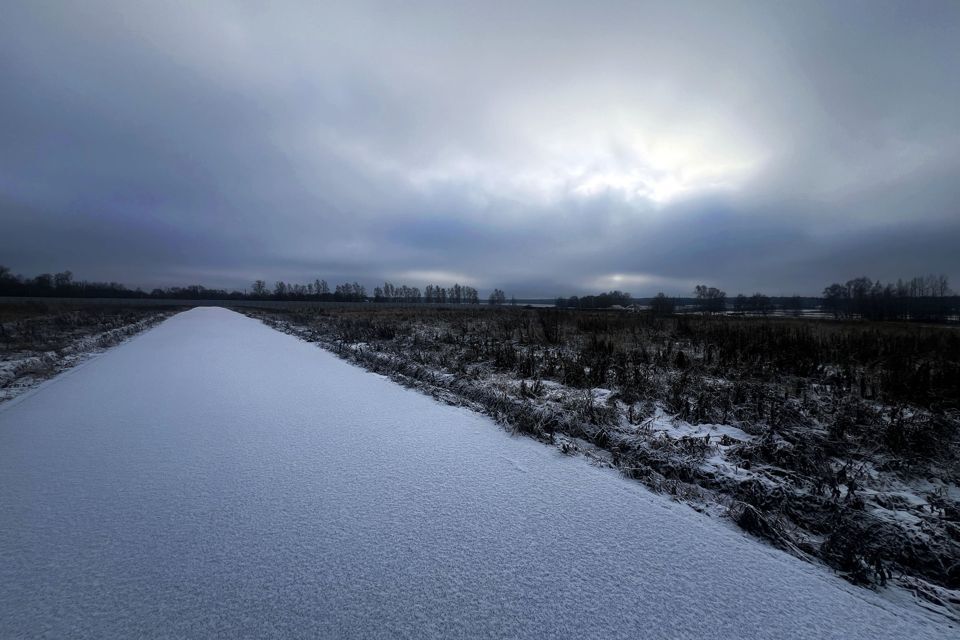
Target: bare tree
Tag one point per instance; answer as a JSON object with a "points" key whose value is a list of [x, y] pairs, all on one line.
{"points": [[711, 299], [497, 297]]}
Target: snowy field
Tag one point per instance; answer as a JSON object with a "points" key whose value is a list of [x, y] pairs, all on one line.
{"points": [[215, 478]]}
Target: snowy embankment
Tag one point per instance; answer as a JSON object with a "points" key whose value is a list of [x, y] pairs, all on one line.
{"points": [[213, 477], [26, 367]]}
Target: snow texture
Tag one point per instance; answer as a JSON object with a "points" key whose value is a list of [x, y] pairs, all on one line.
{"points": [[215, 478]]}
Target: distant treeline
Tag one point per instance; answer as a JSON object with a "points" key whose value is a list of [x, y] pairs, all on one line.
{"points": [[63, 285], [709, 299], [599, 301], [355, 292], [927, 298]]}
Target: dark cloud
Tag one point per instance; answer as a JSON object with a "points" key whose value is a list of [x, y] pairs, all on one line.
{"points": [[547, 147]]}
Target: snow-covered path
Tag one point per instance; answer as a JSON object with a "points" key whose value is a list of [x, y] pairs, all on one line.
{"points": [[216, 478]]}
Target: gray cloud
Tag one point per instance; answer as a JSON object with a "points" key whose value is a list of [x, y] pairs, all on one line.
{"points": [[551, 148]]}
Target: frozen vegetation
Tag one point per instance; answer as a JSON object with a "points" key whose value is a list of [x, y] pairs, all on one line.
{"points": [[215, 478], [39, 340], [835, 441]]}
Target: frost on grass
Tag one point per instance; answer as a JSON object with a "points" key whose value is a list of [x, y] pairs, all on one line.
{"points": [[834, 441], [38, 340]]}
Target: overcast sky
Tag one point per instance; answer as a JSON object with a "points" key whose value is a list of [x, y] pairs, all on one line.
{"points": [[543, 147]]}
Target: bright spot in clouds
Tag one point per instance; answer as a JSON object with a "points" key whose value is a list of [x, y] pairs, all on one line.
{"points": [[435, 276], [547, 164], [633, 281]]}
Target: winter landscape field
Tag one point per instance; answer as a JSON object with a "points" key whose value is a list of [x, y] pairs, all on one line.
{"points": [[836, 441], [510, 319], [213, 477]]}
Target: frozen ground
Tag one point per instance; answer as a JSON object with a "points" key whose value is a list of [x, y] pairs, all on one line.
{"points": [[213, 477]]}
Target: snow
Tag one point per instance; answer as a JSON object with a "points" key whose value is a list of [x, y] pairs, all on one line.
{"points": [[213, 477], [675, 428]]}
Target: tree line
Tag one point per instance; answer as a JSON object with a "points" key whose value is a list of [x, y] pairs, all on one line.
{"points": [[63, 285], [356, 292], [457, 294], [317, 290], [927, 298], [599, 301]]}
